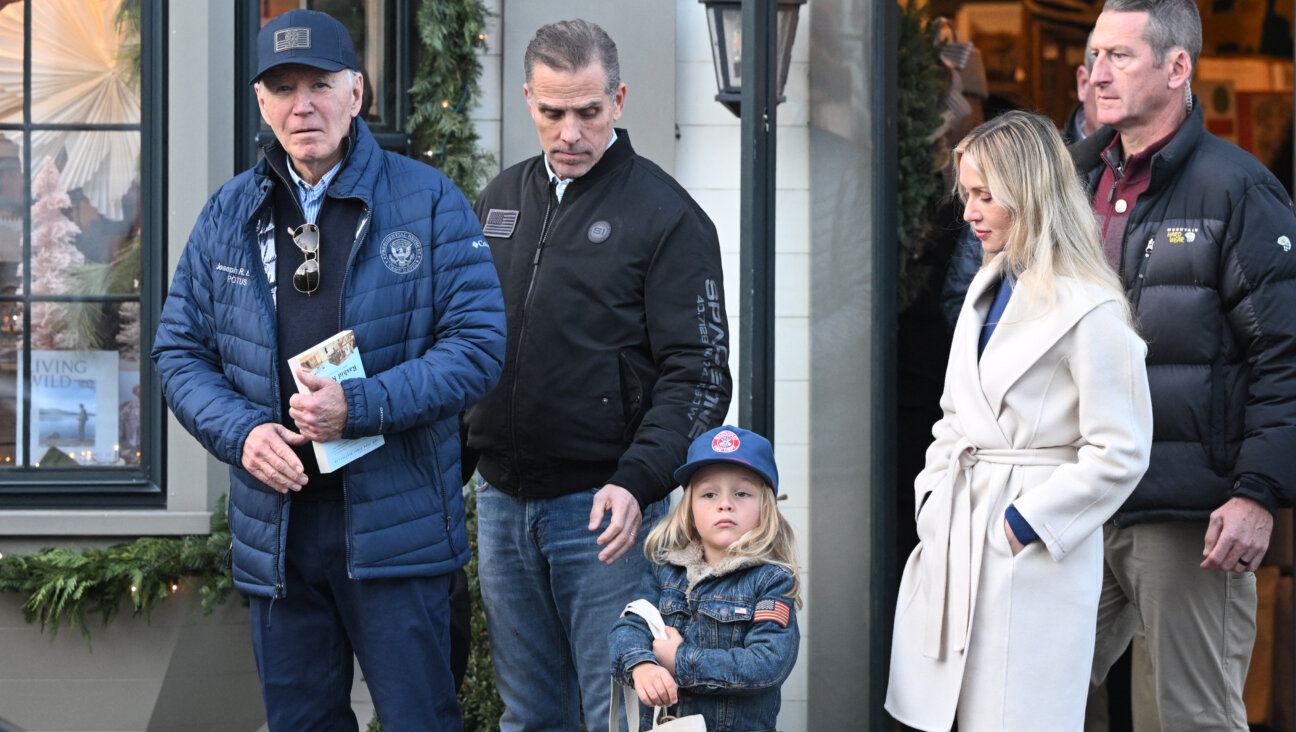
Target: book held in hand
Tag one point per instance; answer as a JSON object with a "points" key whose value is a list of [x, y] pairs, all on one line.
{"points": [[336, 358]]}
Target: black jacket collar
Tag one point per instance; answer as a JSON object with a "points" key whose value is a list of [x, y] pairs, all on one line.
{"points": [[620, 152], [1087, 154]]}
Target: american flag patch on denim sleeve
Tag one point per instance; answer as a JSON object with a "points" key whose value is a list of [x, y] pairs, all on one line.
{"points": [[773, 610]]}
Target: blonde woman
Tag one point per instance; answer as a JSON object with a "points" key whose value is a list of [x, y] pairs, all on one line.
{"points": [[1046, 429]]}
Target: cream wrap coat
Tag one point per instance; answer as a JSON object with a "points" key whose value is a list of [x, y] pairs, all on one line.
{"points": [[1056, 418]]}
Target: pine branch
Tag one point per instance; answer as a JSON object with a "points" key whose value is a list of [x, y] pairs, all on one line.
{"points": [[445, 88], [65, 586]]}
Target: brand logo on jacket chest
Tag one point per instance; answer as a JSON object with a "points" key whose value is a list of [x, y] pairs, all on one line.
{"points": [[599, 231], [401, 251], [1181, 235]]}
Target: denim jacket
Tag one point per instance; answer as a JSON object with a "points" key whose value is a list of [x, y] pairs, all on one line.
{"points": [[740, 638]]}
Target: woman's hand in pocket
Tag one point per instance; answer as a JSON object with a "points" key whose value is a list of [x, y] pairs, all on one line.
{"points": [[1013, 544]]}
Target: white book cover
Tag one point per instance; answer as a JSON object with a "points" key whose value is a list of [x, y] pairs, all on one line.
{"points": [[336, 358]]}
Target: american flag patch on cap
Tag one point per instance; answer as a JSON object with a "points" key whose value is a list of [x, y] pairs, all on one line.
{"points": [[769, 609], [290, 39]]}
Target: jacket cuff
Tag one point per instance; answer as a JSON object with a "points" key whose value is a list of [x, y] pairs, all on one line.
{"points": [[356, 405], [641, 484], [1260, 489], [686, 665], [629, 660], [1021, 528]]}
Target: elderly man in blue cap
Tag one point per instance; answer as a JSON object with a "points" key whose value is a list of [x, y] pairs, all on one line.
{"points": [[327, 233]]}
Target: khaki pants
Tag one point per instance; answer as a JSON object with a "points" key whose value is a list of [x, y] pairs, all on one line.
{"points": [[1200, 624], [1142, 695]]}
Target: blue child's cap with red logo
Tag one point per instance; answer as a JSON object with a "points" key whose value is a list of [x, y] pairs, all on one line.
{"points": [[306, 37], [729, 444]]}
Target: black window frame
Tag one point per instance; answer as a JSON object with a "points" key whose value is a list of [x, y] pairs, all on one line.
{"points": [[109, 487]]}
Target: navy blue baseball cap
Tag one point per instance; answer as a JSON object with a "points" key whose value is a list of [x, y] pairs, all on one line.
{"points": [[306, 37], [729, 444]]}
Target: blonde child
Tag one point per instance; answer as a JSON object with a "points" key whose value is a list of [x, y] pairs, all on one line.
{"points": [[724, 577]]}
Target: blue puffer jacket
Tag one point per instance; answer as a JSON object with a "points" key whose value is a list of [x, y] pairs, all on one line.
{"points": [[740, 638], [431, 338]]}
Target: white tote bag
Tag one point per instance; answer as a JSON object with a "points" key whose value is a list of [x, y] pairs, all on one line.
{"points": [[691, 723]]}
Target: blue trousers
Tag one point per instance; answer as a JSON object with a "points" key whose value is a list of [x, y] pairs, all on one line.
{"points": [[399, 629], [550, 604]]}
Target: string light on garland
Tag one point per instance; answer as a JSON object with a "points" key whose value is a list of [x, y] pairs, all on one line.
{"points": [[65, 584], [450, 32]]}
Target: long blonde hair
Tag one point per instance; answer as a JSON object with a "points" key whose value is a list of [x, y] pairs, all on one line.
{"points": [[771, 542], [1024, 163]]}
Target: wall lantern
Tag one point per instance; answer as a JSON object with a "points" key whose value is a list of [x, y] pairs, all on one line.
{"points": [[725, 19]]}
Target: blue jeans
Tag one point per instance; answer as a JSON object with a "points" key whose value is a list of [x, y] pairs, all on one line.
{"points": [[399, 629], [550, 604]]}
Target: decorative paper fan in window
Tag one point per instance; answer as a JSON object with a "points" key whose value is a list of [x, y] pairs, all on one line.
{"points": [[78, 78]]}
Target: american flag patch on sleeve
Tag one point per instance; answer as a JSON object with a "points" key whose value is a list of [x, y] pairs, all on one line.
{"points": [[772, 610]]}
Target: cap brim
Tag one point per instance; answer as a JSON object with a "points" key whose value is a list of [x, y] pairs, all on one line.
{"points": [[323, 64], [685, 472]]}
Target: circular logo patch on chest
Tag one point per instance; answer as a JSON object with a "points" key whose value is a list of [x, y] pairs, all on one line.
{"points": [[599, 231], [401, 251]]}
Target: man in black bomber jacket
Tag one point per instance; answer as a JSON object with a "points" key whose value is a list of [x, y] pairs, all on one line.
{"points": [[616, 359], [1201, 235]]}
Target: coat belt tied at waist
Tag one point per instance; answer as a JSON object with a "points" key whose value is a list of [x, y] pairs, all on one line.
{"points": [[950, 578]]}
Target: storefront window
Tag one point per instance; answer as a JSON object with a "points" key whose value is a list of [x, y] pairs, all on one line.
{"points": [[71, 228]]}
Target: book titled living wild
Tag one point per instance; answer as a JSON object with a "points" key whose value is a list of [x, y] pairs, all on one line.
{"points": [[337, 358]]}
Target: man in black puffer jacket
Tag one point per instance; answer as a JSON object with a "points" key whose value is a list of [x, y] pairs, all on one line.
{"points": [[617, 357], [1201, 234]]}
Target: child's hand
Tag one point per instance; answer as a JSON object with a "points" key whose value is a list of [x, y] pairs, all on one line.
{"points": [[655, 685], [665, 650]]}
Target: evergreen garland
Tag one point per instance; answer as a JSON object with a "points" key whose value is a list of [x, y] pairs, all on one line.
{"points": [[479, 698], [64, 585], [919, 91], [445, 87]]}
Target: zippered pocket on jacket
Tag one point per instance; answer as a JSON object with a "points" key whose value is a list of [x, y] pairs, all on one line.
{"points": [[635, 383]]}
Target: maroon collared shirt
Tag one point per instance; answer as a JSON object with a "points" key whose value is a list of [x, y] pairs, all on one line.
{"points": [[1117, 191]]}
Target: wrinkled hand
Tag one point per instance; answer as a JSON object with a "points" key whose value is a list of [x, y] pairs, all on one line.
{"points": [[1237, 536], [321, 415], [267, 455], [1013, 544], [665, 650], [624, 526], [655, 685]]}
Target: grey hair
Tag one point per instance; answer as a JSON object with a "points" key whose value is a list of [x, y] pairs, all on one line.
{"points": [[572, 45], [1171, 24], [1089, 54]]}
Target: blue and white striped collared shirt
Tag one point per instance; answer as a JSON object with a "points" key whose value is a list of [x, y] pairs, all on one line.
{"points": [[312, 197]]}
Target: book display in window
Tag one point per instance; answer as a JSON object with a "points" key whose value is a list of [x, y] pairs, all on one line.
{"points": [[336, 358], [74, 408]]}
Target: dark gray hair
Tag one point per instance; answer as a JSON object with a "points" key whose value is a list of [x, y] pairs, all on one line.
{"points": [[570, 46], [1171, 24]]}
